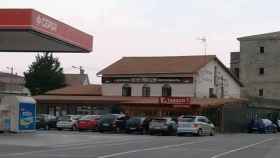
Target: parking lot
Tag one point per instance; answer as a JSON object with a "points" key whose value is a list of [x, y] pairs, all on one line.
{"points": [[60, 144]]}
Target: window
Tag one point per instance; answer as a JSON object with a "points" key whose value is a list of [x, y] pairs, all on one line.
{"points": [[261, 50], [236, 72], [201, 119], [261, 71], [261, 92], [126, 90], [211, 93], [146, 91], [166, 90]]}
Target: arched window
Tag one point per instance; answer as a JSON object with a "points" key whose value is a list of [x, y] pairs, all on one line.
{"points": [[166, 90], [126, 90], [146, 91]]}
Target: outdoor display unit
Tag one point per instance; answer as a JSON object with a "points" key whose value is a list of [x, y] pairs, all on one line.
{"points": [[18, 114], [27, 30]]}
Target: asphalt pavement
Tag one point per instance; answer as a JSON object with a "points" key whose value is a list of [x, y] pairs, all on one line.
{"points": [[68, 144]]}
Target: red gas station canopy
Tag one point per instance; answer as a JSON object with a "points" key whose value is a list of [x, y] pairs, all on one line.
{"points": [[27, 30]]}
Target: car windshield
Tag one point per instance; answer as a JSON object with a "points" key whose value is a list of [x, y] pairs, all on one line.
{"points": [[107, 118], [187, 119], [134, 120], [64, 118], [89, 117], [159, 120]]}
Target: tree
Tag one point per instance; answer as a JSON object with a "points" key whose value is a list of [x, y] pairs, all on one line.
{"points": [[44, 74]]}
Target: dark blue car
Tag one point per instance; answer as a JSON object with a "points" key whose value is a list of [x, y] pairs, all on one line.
{"points": [[262, 126]]}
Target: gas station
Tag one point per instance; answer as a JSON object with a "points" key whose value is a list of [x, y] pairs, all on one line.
{"points": [[27, 30]]}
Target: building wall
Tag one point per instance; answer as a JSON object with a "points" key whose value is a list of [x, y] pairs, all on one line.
{"points": [[251, 60], [205, 80], [115, 89]]}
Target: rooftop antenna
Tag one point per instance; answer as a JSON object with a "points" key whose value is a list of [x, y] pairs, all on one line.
{"points": [[204, 42], [82, 70], [11, 69]]}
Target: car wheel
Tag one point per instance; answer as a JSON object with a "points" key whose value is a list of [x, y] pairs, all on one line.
{"points": [[118, 130], [212, 133], [74, 128], [199, 132], [60, 129], [47, 127]]}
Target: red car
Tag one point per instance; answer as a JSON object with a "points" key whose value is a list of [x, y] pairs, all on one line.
{"points": [[88, 122]]}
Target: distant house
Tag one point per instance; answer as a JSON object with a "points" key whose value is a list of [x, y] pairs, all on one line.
{"points": [[76, 79], [194, 76], [12, 84]]}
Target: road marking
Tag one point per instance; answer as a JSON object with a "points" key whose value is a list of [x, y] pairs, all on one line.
{"points": [[72, 147], [242, 148], [150, 149]]}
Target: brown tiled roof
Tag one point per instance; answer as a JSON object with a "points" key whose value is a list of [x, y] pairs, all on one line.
{"points": [[75, 79], [86, 90], [157, 65]]}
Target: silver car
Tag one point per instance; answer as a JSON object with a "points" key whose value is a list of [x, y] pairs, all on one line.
{"points": [[67, 122], [196, 125]]}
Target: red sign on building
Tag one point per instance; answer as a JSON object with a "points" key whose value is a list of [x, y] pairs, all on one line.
{"points": [[175, 100]]}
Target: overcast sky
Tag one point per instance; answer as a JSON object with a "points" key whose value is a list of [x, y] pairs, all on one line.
{"points": [[150, 28]]}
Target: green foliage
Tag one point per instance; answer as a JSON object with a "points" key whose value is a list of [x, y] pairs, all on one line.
{"points": [[44, 74]]}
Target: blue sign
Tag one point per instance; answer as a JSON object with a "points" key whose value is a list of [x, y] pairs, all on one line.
{"points": [[26, 116]]}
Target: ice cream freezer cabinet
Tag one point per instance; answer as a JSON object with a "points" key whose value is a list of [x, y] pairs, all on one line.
{"points": [[20, 114]]}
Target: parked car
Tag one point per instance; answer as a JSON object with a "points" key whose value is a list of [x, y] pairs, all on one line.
{"points": [[112, 122], [67, 122], [262, 126], [88, 122], [277, 123], [164, 125], [195, 125], [136, 124], [46, 121]]}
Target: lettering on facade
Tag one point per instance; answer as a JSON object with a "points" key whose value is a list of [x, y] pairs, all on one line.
{"points": [[175, 100], [148, 80], [46, 23]]}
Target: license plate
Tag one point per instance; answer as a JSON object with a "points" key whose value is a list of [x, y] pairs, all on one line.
{"points": [[157, 127], [132, 128]]}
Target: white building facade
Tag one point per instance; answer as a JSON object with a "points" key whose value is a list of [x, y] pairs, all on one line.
{"points": [[206, 78]]}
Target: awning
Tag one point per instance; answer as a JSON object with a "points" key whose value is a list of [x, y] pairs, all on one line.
{"points": [[133, 101], [27, 30]]}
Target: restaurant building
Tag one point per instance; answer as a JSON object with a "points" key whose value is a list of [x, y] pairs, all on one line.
{"points": [[155, 86], [193, 76]]}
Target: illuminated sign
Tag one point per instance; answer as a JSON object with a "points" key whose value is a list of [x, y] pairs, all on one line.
{"points": [[175, 100]]}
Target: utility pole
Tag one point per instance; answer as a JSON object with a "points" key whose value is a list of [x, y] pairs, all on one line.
{"points": [[11, 78], [11, 69]]}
